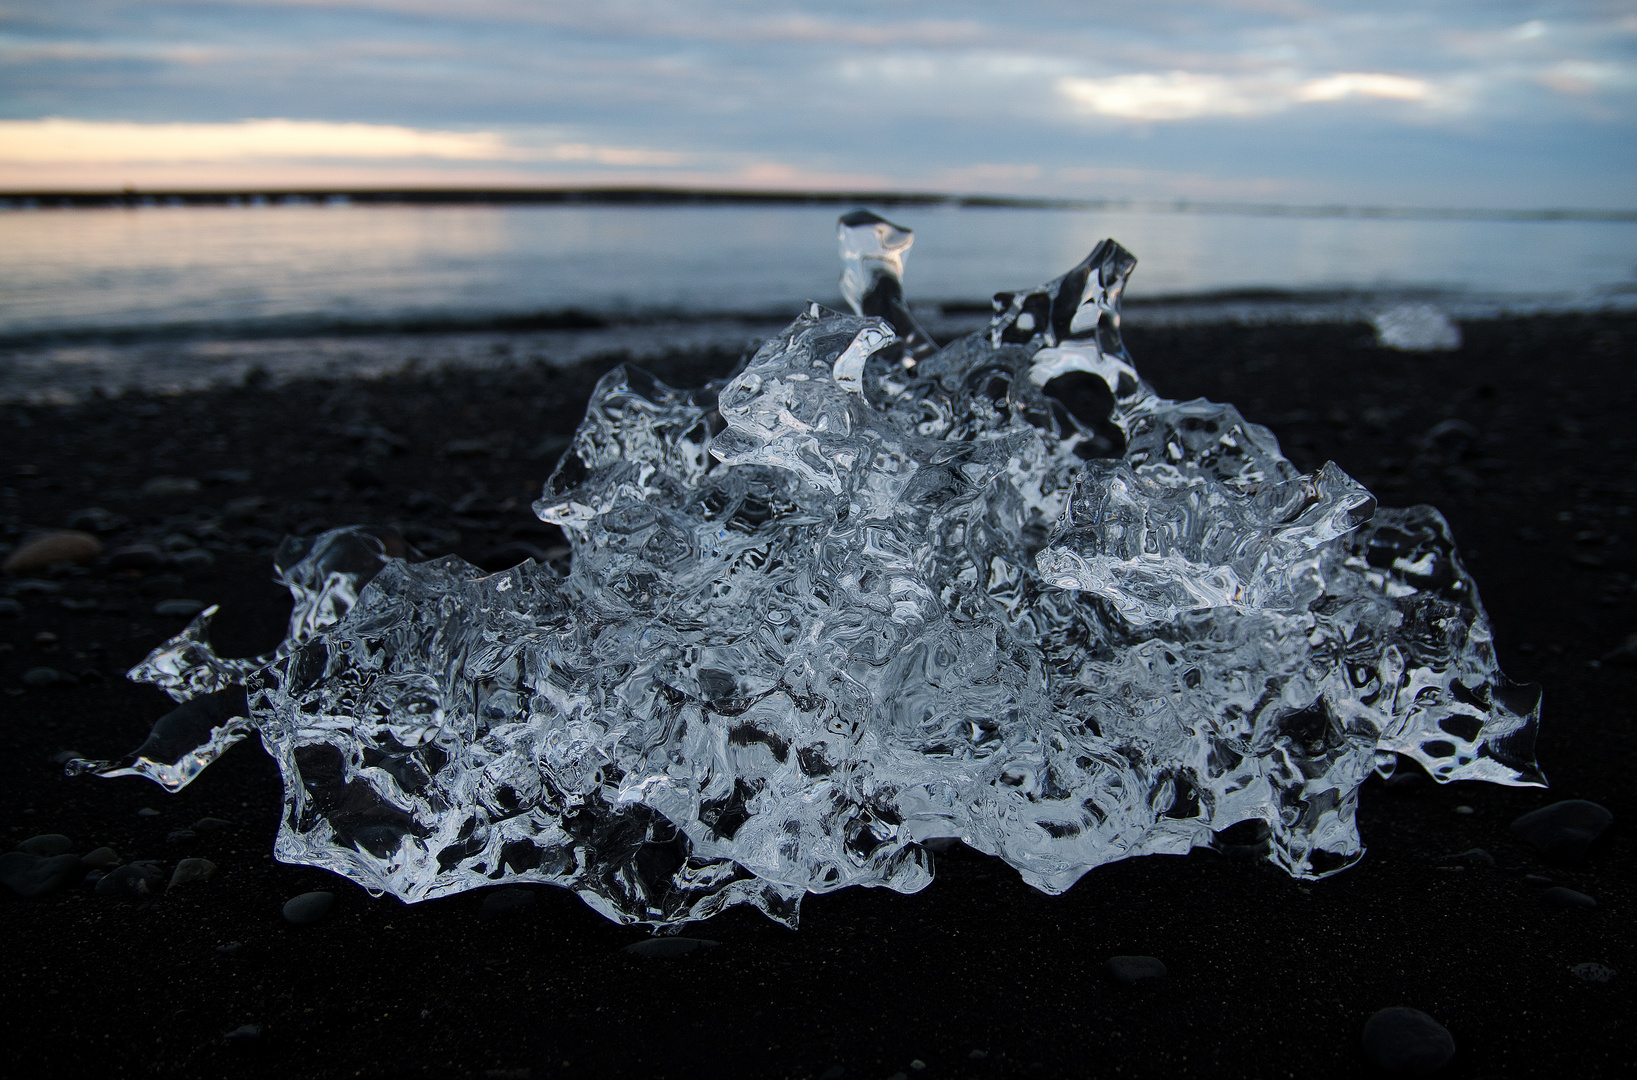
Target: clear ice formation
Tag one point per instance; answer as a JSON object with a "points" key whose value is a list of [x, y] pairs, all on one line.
{"points": [[866, 594]]}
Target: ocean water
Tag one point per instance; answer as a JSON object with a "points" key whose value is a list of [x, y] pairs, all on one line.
{"points": [[122, 297], [294, 266]]}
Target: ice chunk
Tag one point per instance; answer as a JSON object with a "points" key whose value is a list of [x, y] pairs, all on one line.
{"points": [[1416, 328], [865, 594]]}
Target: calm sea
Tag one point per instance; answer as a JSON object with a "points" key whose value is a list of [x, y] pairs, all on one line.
{"points": [[69, 278]]}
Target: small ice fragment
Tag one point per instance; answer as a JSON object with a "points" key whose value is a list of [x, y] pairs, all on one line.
{"points": [[1416, 328]]}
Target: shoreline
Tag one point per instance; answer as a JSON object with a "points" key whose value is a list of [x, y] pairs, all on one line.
{"points": [[1521, 437]]}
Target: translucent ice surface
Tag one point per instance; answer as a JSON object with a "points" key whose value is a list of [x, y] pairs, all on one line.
{"points": [[869, 593]]}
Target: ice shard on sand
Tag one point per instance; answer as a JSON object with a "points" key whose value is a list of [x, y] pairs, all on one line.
{"points": [[865, 594]]}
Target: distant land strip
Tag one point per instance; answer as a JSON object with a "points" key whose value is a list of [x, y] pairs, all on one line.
{"points": [[130, 198]]}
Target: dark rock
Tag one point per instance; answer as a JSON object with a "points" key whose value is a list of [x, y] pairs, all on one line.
{"points": [[47, 844], [1405, 1040], [135, 557], [52, 548], [505, 901], [31, 876], [509, 555], [147, 811], [10, 608], [44, 676], [196, 561], [1470, 857], [308, 908], [180, 836], [228, 948], [96, 519], [169, 486], [362, 476], [244, 1033], [102, 858], [666, 948], [1135, 969], [190, 871], [1564, 831], [211, 824], [228, 476], [132, 879], [1594, 973], [36, 587], [179, 608], [1558, 896], [243, 509]]}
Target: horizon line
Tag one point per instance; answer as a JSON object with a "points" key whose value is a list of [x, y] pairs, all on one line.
{"points": [[134, 198]]}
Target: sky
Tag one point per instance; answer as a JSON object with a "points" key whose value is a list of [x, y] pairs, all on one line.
{"points": [[1399, 103]]}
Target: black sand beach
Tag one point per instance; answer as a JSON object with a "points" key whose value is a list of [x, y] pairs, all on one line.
{"points": [[1524, 438]]}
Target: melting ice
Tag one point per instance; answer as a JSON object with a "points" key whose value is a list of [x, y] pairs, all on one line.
{"points": [[865, 594]]}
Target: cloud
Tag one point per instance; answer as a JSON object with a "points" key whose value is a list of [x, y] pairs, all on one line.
{"points": [[102, 142], [1182, 95]]}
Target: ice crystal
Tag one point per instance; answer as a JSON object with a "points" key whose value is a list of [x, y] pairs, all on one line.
{"points": [[865, 594]]}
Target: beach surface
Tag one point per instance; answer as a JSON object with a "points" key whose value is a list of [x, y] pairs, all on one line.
{"points": [[1523, 437]]}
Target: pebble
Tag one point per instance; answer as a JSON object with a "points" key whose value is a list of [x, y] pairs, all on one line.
{"points": [[666, 948], [45, 676], [179, 608], [308, 908], [211, 824], [135, 557], [1563, 831], [194, 561], [170, 485], [1470, 857], [509, 555], [189, 871], [1135, 969], [102, 858], [47, 845], [180, 836], [132, 879], [228, 948], [30, 876], [49, 549], [96, 519], [1406, 1040], [10, 608], [147, 811], [504, 901], [1558, 896], [1595, 973], [243, 1033]]}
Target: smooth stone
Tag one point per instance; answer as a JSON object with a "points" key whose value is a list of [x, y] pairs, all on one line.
{"points": [[45, 676], [47, 845], [135, 557], [194, 561], [30, 876], [1406, 1040], [509, 555], [309, 907], [243, 1033], [102, 858], [1594, 973], [179, 608], [96, 519], [171, 485], [211, 824], [50, 549], [180, 836], [1470, 857], [228, 948], [189, 871], [1135, 969], [667, 948], [1558, 896], [1563, 831], [132, 879], [147, 811], [504, 901], [10, 608]]}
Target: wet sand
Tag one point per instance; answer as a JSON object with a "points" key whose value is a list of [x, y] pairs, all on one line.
{"points": [[1524, 438]]}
